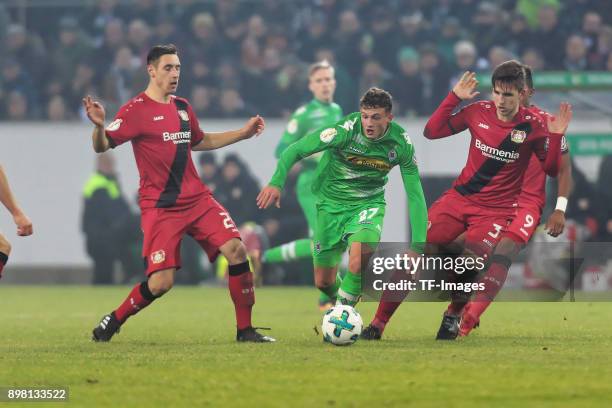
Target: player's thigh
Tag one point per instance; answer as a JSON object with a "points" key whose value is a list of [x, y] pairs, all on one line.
{"points": [[213, 228], [484, 233], [162, 234], [446, 220], [328, 244], [523, 225]]}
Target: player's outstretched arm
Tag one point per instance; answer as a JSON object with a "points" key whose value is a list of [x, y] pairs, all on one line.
{"points": [[442, 122], [267, 196], [215, 140], [24, 225], [97, 115], [417, 206], [556, 221], [556, 127]]}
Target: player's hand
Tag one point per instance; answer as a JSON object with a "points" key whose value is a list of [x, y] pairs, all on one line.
{"points": [[267, 196], [254, 127], [95, 111], [559, 122], [466, 87], [24, 224], [555, 223]]}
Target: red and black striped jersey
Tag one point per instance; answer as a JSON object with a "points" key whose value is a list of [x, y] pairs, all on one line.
{"points": [[162, 135], [499, 151]]}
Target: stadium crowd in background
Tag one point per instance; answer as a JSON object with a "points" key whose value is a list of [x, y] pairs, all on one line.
{"points": [[234, 51]]}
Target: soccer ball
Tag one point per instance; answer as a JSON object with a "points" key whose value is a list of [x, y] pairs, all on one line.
{"points": [[342, 325]]}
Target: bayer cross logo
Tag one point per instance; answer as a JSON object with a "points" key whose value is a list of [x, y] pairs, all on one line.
{"points": [[341, 324]]}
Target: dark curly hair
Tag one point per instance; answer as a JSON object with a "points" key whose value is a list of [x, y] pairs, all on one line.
{"points": [[376, 98]]}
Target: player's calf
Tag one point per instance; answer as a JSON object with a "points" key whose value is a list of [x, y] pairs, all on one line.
{"points": [[5, 250]]}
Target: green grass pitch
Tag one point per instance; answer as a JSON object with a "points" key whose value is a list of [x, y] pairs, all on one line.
{"points": [[181, 352]]}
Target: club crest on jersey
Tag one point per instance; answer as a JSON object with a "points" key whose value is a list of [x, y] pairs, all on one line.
{"points": [[158, 257], [392, 155], [114, 125], [518, 136], [184, 116], [328, 135]]}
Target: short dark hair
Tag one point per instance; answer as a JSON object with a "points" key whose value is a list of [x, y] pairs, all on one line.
{"points": [[509, 73], [376, 98], [157, 51], [528, 76]]}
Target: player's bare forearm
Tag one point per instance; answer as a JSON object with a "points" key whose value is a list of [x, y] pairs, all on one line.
{"points": [[564, 179], [217, 140], [6, 195], [99, 139]]}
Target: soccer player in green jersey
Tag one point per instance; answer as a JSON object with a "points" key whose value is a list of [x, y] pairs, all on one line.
{"points": [[320, 111], [359, 152]]}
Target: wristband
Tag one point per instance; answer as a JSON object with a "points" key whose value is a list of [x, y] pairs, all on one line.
{"points": [[561, 204]]}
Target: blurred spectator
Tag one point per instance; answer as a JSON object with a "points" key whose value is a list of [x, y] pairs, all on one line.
{"points": [[145, 10], [373, 76], [232, 105], [206, 45], [124, 77], [57, 110], [413, 30], [83, 83], [434, 81], [209, 170], [406, 86], [315, 35], [450, 35], [384, 38], [114, 38], [16, 106], [486, 28], [112, 231], [202, 101], [237, 190], [519, 36], [348, 42], [465, 60], [497, 55], [14, 79], [575, 54], [28, 49], [232, 17], [139, 38], [96, 19], [547, 33], [533, 58], [73, 47]]}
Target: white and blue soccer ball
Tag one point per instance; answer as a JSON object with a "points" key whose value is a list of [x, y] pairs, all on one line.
{"points": [[342, 325]]}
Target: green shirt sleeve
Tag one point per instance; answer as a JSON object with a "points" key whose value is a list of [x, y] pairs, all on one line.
{"points": [[293, 132], [417, 207], [317, 141]]}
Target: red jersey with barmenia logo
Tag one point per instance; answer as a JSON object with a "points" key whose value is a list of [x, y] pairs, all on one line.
{"points": [[534, 182], [162, 135], [499, 151]]}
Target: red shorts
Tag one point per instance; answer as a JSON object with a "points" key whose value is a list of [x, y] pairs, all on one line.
{"points": [[207, 222], [452, 214], [524, 224]]}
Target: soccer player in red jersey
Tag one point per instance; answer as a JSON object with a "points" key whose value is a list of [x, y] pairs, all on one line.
{"points": [[483, 198], [24, 225], [530, 205], [163, 130]]}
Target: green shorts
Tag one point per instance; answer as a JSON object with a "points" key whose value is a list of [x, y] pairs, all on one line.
{"points": [[306, 198], [336, 222]]}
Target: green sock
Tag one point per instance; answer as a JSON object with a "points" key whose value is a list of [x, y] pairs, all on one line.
{"points": [[329, 293], [302, 248], [350, 289]]}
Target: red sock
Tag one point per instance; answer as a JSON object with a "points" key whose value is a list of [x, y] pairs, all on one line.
{"points": [[493, 280], [139, 298], [3, 261], [389, 302], [242, 293]]}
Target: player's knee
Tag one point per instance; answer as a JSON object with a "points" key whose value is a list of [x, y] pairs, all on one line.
{"points": [[354, 265], [5, 246], [507, 247], [235, 251], [158, 285], [324, 278]]}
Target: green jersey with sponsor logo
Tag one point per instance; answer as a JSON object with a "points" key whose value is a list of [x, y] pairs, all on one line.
{"points": [[354, 169], [308, 118]]}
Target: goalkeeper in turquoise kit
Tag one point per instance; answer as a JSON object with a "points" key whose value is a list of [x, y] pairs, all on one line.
{"points": [[350, 179], [320, 111]]}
